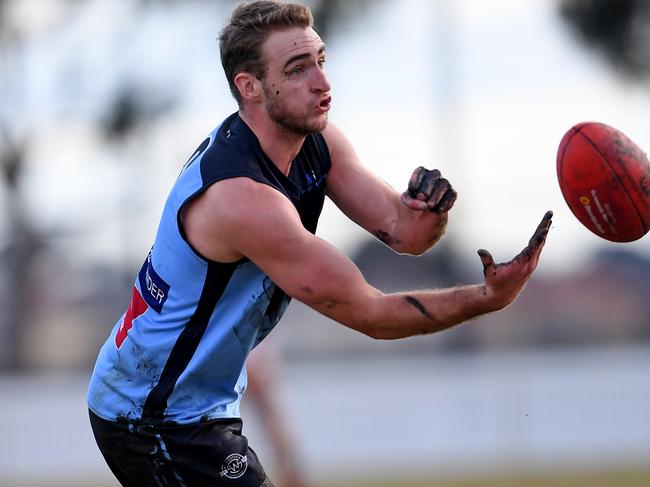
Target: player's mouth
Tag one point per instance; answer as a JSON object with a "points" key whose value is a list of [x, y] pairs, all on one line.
{"points": [[325, 104]]}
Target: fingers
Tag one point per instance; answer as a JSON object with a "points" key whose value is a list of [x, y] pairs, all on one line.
{"points": [[416, 181], [486, 260], [539, 237], [436, 189], [446, 202], [412, 203], [431, 181], [529, 255], [536, 243], [431, 188], [421, 179]]}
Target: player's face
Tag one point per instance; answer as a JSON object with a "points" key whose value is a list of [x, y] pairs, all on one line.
{"points": [[295, 86]]}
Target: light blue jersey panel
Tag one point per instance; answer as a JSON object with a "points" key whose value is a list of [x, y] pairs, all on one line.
{"points": [[178, 353], [165, 297], [220, 356]]}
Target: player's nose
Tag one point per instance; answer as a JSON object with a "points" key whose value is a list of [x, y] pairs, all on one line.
{"points": [[320, 83]]}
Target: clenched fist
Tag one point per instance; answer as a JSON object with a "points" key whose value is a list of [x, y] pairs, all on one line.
{"points": [[428, 190]]}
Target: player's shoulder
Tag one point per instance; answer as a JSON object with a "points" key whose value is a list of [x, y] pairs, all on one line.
{"points": [[240, 197], [223, 221], [342, 152], [333, 135]]}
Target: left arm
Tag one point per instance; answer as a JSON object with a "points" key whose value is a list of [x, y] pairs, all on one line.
{"points": [[411, 222]]}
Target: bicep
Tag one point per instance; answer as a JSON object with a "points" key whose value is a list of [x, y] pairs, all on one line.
{"points": [[267, 229]]}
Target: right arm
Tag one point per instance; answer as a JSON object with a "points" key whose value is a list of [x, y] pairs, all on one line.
{"points": [[266, 228]]}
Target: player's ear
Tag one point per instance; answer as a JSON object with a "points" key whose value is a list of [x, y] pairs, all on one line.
{"points": [[250, 88]]}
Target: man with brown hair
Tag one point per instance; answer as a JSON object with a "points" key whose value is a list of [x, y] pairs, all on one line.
{"points": [[237, 239]]}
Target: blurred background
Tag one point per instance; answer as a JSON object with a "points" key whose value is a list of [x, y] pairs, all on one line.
{"points": [[102, 101]]}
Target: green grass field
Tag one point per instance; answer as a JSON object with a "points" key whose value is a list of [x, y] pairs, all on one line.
{"points": [[586, 479], [600, 479]]}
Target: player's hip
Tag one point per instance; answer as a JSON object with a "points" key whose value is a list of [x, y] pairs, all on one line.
{"points": [[212, 452]]}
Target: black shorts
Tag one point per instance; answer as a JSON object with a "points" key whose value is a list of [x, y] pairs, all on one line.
{"points": [[211, 453]]}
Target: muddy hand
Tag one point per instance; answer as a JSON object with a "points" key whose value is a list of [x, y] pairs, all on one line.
{"points": [[506, 280], [530, 253], [428, 190], [536, 243]]}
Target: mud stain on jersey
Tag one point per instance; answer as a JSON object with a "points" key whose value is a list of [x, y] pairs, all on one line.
{"points": [[146, 363]]}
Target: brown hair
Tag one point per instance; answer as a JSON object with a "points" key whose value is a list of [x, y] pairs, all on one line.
{"points": [[240, 41]]}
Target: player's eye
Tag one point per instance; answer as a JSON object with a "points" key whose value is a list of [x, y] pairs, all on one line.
{"points": [[296, 70]]}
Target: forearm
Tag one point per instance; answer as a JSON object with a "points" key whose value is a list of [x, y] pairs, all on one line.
{"points": [[405, 314], [400, 315], [334, 286]]}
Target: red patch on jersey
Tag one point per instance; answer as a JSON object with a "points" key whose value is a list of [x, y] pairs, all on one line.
{"points": [[136, 308]]}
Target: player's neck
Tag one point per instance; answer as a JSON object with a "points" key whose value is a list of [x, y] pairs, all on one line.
{"points": [[278, 143]]}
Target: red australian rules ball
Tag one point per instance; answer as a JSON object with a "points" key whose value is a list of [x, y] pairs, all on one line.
{"points": [[605, 180]]}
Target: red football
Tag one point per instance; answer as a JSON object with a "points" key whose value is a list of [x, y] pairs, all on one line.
{"points": [[605, 180]]}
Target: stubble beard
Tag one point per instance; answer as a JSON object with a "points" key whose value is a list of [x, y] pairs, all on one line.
{"points": [[280, 113]]}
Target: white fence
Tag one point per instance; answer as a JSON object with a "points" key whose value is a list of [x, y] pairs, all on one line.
{"points": [[390, 418]]}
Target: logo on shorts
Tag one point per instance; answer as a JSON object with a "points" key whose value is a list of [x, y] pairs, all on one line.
{"points": [[234, 466]]}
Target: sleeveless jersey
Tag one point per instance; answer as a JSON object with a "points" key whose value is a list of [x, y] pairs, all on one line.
{"points": [[178, 352]]}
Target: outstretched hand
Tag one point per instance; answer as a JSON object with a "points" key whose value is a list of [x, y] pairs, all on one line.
{"points": [[505, 281], [428, 190]]}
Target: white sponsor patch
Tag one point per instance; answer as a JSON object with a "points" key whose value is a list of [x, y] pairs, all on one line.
{"points": [[234, 466]]}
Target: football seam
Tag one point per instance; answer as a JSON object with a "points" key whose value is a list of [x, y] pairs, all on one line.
{"points": [[609, 166], [560, 169]]}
